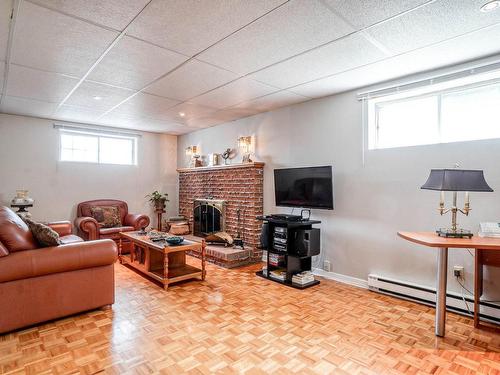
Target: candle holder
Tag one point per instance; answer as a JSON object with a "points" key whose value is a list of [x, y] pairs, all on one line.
{"points": [[456, 180]]}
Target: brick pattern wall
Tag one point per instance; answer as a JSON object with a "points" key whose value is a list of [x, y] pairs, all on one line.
{"points": [[240, 186]]}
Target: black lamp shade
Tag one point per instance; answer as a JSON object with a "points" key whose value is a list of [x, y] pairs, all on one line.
{"points": [[456, 180]]}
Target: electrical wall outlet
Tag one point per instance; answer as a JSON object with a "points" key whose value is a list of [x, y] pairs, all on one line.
{"points": [[327, 266], [458, 271]]}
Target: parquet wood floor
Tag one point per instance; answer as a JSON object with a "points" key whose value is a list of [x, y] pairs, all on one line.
{"points": [[237, 323]]}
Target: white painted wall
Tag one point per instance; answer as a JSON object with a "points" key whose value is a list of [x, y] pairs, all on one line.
{"points": [[372, 201], [29, 159]]}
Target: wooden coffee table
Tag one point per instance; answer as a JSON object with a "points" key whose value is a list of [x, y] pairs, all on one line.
{"points": [[161, 261]]}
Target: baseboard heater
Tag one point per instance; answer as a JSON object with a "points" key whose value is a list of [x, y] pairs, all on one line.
{"points": [[427, 296]]}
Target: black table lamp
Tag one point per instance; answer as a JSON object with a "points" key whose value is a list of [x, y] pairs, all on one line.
{"points": [[455, 180]]}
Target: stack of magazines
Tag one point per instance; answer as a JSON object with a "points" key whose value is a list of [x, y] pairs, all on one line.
{"points": [[279, 274], [303, 278]]}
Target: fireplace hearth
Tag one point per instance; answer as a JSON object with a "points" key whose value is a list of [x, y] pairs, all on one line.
{"points": [[240, 188], [208, 216]]}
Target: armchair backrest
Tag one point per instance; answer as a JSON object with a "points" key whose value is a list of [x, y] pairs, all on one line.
{"points": [[83, 208], [14, 233]]}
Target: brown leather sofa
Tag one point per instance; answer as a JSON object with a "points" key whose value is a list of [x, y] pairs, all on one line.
{"points": [[40, 284], [89, 228]]}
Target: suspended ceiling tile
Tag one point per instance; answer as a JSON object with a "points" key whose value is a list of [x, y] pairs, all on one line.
{"points": [[27, 107], [186, 111], [5, 11], [115, 14], [433, 23], [362, 13], [39, 85], [189, 26], [78, 114], [146, 105], [95, 95], [344, 54], [233, 93], [440, 55], [51, 41], [295, 27], [134, 64], [139, 123], [273, 101], [191, 79]]}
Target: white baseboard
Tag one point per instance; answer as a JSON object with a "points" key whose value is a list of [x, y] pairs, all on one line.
{"points": [[354, 281]]}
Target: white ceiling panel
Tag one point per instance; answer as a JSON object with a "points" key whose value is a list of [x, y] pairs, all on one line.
{"points": [[189, 111], [273, 101], [51, 41], [203, 122], [362, 13], [116, 14], [191, 79], [95, 95], [189, 26], [243, 89], [146, 105], [133, 64], [479, 44], [433, 23], [5, 10], [139, 123], [293, 28], [335, 57], [39, 85], [78, 114], [27, 107]]}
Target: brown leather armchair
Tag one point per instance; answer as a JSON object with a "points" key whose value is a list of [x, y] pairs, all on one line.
{"points": [[89, 228], [40, 284]]}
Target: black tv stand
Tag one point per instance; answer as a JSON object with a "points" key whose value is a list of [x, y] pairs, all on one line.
{"points": [[295, 258], [285, 217]]}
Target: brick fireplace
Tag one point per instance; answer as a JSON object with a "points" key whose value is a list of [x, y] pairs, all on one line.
{"points": [[240, 186]]}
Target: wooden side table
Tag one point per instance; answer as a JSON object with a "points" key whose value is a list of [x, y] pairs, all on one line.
{"points": [[487, 252]]}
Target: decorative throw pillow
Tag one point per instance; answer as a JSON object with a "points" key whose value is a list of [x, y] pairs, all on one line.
{"points": [[44, 235], [106, 216]]}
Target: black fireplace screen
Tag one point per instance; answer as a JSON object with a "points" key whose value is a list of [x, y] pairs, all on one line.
{"points": [[208, 217]]}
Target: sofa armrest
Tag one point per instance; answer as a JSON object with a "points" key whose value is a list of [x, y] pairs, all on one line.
{"points": [[64, 258], [137, 221], [88, 226], [63, 228]]}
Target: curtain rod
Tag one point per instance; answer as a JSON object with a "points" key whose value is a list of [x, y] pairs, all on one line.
{"points": [[432, 78]]}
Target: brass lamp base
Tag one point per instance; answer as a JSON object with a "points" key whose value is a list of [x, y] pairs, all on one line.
{"points": [[450, 233]]}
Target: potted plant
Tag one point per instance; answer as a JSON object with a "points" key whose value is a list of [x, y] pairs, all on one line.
{"points": [[158, 200]]}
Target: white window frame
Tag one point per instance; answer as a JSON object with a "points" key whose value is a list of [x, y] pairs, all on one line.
{"points": [[373, 105], [98, 134]]}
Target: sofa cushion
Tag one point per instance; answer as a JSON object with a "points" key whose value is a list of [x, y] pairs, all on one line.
{"points": [[107, 216], [70, 238], [14, 233], [44, 235], [32, 263], [113, 233]]}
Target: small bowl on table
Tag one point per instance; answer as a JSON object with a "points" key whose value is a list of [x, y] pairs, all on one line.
{"points": [[174, 240]]}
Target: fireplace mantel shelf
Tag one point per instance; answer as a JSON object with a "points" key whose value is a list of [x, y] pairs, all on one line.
{"points": [[255, 164]]}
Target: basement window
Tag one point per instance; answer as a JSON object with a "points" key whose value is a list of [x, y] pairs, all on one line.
{"points": [[439, 110], [91, 146]]}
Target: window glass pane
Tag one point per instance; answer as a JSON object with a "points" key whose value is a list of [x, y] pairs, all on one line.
{"points": [[116, 150], [77, 147], [408, 123], [471, 114]]}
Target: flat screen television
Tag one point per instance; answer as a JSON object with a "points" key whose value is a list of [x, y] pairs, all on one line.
{"points": [[310, 187]]}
